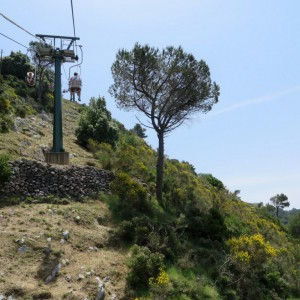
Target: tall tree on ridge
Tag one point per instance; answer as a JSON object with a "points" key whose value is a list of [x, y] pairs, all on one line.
{"points": [[280, 201], [167, 86]]}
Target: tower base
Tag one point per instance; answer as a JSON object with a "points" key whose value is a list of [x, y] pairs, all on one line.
{"points": [[59, 158]]}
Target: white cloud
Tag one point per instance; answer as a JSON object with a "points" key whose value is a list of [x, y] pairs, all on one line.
{"points": [[262, 179], [266, 98]]}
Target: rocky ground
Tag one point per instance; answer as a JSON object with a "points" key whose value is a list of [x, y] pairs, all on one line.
{"points": [[62, 251], [59, 252], [34, 134]]}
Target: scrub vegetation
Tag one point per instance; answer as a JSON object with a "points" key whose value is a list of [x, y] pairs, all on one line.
{"points": [[204, 242]]}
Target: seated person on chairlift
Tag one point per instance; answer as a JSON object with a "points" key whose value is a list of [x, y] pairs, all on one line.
{"points": [[30, 79], [75, 86]]}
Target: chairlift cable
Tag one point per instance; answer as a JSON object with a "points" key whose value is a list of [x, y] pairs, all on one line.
{"points": [[65, 72], [75, 82], [77, 65], [73, 25], [13, 40], [73, 17], [11, 21]]}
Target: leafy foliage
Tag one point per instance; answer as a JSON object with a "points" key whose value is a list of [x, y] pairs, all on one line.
{"points": [[208, 242], [213, 181], [203, 227], [166, 86], [143, 265], [280, 201], [96, 123], [294, 225], [16, 64], [130, 155], [132, 195], [254, 259], [11, 104], [5, 169], [139, 131], [44, 76]]}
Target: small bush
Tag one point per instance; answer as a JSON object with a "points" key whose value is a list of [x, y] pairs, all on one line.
{"points": [[143, 265], [10, 201], [161, 285], [42, 295], [5, 169], [4, 104], [126, 231], [103, 152], [6, 123], [133, 199], [20, 111], [96, 123], [213, 181], [294, 225]]}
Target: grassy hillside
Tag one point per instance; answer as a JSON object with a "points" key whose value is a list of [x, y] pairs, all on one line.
{"points": [[204, 243], [34, 133]]}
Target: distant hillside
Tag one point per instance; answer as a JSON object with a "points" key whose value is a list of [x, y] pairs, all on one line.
{"points": [[285, 215]]}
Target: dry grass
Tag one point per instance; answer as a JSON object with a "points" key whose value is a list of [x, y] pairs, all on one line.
{"points": [[38, 229], [37, 134]]}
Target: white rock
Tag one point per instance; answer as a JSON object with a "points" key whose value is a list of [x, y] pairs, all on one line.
{"points": [[80, 277], [101, 290], [66, 235], [53, 273]]}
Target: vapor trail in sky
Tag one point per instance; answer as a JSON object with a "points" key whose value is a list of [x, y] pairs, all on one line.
{"points": [[266, 98]]}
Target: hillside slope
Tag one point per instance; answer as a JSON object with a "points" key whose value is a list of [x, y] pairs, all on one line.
{"points": [[33, 244], [32, 234], [204, 242], [33, 134]]}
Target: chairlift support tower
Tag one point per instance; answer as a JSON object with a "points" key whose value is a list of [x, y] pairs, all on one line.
{"points": [[60, 51]]}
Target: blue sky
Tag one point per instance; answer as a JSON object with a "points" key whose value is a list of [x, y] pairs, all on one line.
{"points": [[250, 140]]}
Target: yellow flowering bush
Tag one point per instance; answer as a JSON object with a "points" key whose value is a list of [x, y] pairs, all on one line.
{"points": [[161, 279], [160, 285], [133, 196], [251, 249]]}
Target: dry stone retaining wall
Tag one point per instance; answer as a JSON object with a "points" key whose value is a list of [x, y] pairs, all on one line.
{"points": [[36, 179]]}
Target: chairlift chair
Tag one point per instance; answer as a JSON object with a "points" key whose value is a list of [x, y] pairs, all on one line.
{"points": [[45, 53], [75, 84], [30, 79]]}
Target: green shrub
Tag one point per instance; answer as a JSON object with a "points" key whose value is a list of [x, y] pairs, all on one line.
{"points": [[294, 225], [20, 111], [5, 169], [96, 123], [4, 104], [6, 123], [10, 201], [143, 264], [16, 65], [126, 231], [133, 199], [103, 152], [42, 295], [213, 181]]}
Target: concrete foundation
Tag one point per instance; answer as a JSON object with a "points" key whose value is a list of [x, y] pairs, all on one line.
{"points": [[58, 158]]}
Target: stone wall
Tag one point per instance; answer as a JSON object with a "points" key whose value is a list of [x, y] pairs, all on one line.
{"points": [[37, 179]]}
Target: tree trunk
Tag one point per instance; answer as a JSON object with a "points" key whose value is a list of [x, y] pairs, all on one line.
{"points": [[40, 86], [160, 168], [41, 79]]}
